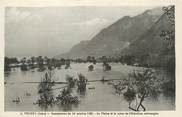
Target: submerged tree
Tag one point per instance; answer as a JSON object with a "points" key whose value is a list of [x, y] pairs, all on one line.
{"points": [[71, 81], [41, 64], [65, 98], [47, 98], [32, 62], [81, 83], [45, 91], [46, 82], [67, 63], [94, 60], [139, 86], [129, 96], [90, 68], [89, 58], [24, 65], [106, 66]]}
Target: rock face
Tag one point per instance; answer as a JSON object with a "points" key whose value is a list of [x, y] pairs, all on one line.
{"points": [[120, 36]]}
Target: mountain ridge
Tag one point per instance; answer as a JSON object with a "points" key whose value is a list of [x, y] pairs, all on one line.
{"points": [[111, 40]]}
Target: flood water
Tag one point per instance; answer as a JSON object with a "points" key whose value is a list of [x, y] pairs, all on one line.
{"points": [[102, 98]]}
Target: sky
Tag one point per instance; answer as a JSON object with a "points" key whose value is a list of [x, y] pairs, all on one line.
{"points": [[50, 31]]}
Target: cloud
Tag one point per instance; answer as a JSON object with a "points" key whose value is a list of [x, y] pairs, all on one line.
{"points": [[92, 22], [95, 21], [17, 15]]}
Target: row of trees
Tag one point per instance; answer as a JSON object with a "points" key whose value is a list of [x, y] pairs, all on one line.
{"points": [[45, 60], [34, 62], [124, 59], [42, 61]]}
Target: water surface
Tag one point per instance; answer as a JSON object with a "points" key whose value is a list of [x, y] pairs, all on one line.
{"points": [[102, 98]]}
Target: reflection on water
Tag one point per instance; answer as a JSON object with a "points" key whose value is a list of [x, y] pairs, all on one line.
{"points": [[100, 98]]}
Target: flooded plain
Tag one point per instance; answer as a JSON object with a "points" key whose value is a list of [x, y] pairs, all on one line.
{"points": [[101, 98]]}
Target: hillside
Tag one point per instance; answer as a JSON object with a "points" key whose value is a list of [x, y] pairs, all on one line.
{"points": [[116, 37], [150, 47]]}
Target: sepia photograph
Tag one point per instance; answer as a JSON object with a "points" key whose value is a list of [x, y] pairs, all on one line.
{"points": [[89, 58]]}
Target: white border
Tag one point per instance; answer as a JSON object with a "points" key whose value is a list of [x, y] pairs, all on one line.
{"points": [[45, 3]]}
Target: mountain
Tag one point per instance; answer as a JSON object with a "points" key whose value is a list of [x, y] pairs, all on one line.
{"points": [[116, 37], [76, 50], [150, 47]]}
